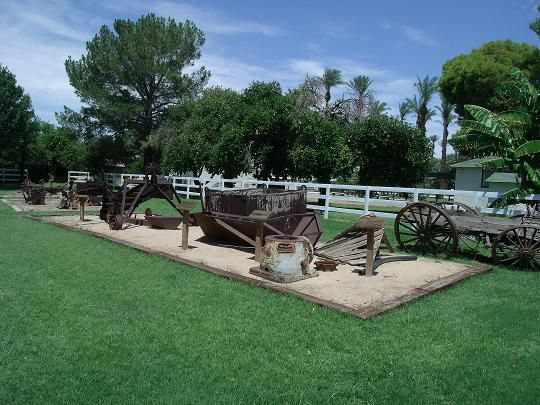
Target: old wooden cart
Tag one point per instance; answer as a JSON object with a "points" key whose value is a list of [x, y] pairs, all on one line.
{"points": [[446, 228], [233, 216]]}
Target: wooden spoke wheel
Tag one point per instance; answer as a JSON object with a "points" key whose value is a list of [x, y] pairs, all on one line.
{"points": [[426, 228], [518, 247], [457, 207]]}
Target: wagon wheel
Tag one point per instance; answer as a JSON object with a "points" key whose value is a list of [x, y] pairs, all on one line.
{"points": [[518, 247], [426, 228], [116, 222], [460, 207]]}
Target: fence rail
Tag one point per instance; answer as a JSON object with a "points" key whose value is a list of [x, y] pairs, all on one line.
{"points": [[78, 177], [343, 198], [11, 176]]}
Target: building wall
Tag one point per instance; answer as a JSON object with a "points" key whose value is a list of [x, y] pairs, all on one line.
{"points": [[469, 178]]}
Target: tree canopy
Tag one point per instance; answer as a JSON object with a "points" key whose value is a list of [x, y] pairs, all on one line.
{"points": [[267, 123], [129, 77], [55, 150], [473, 78], [319, 148], [388, 152], [17, 121], [205, 134]]}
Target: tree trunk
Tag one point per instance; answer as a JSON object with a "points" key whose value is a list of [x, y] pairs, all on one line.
{"points": [[444, 181]]}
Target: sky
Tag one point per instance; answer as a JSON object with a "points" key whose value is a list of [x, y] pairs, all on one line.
{"points": [[391, 41]]}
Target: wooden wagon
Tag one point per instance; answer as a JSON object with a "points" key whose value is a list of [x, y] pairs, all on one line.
{"points": [[446, 228]]}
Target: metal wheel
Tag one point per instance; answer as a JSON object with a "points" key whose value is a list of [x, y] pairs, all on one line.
{"points": [[518, 247], [116, 222], [457, 207], [426, 228]]}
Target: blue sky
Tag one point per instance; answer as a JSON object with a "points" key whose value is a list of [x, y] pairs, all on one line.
{"points": [[390, 41]]}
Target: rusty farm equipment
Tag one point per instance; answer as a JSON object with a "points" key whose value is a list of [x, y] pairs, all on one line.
{"points": [[72, 196], [35, 194], [286, 259], [235, 216], [118, 206]]}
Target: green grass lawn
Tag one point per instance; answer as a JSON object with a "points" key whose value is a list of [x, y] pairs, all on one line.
{"points": [[86, 320]]}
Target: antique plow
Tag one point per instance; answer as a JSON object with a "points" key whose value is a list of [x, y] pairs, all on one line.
{"points": [[117, 207], [92, 190]]}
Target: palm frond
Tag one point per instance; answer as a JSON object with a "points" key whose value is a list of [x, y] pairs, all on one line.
{"points": [[529, 148], [360, 85], [488, 119], [471, 125], [533, 175], [494, 163], [513, 196]]}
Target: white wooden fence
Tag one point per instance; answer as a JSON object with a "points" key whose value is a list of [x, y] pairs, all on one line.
{"points": [[11, 176], [353, 199], [78, 177]]}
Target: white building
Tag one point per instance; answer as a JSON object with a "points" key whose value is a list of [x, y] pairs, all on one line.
{"points": [[471, 176]]}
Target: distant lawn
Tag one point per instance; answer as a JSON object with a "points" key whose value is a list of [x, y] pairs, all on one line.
{"points": [[86, 320]]}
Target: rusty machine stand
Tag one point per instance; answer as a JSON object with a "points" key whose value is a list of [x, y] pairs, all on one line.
{"points": [[119, 206]]}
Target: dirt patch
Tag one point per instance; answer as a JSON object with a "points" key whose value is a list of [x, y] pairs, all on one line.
{"points": [[393, 284], [16, 201]]}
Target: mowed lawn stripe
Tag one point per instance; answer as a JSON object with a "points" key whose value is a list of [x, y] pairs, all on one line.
{"points": [[84, 319]]}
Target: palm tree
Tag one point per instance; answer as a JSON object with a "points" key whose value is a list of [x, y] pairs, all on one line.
{"points": [[404, 110], [363, 95], [415, 105], [378, 107], [330, 78], [447, 117], [426, 88]]}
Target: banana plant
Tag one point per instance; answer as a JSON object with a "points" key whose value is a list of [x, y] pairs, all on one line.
{"points": [[510, 138]]}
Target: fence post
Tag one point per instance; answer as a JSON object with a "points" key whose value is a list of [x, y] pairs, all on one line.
{"points": [[415, 195], [188, 187], [366, 200], [476, 201], [327, 201], [242, 184]]}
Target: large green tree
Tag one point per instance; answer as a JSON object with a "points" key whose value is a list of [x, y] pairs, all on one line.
{"points": [[206, 133], [388, 152], [54, 151], [320, 149], [18, 125], [103, 147], [473, 78], [266, 120], [131, 75]]}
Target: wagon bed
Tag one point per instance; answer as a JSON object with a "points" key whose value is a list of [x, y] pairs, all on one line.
{"points": [[447, 227]]}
